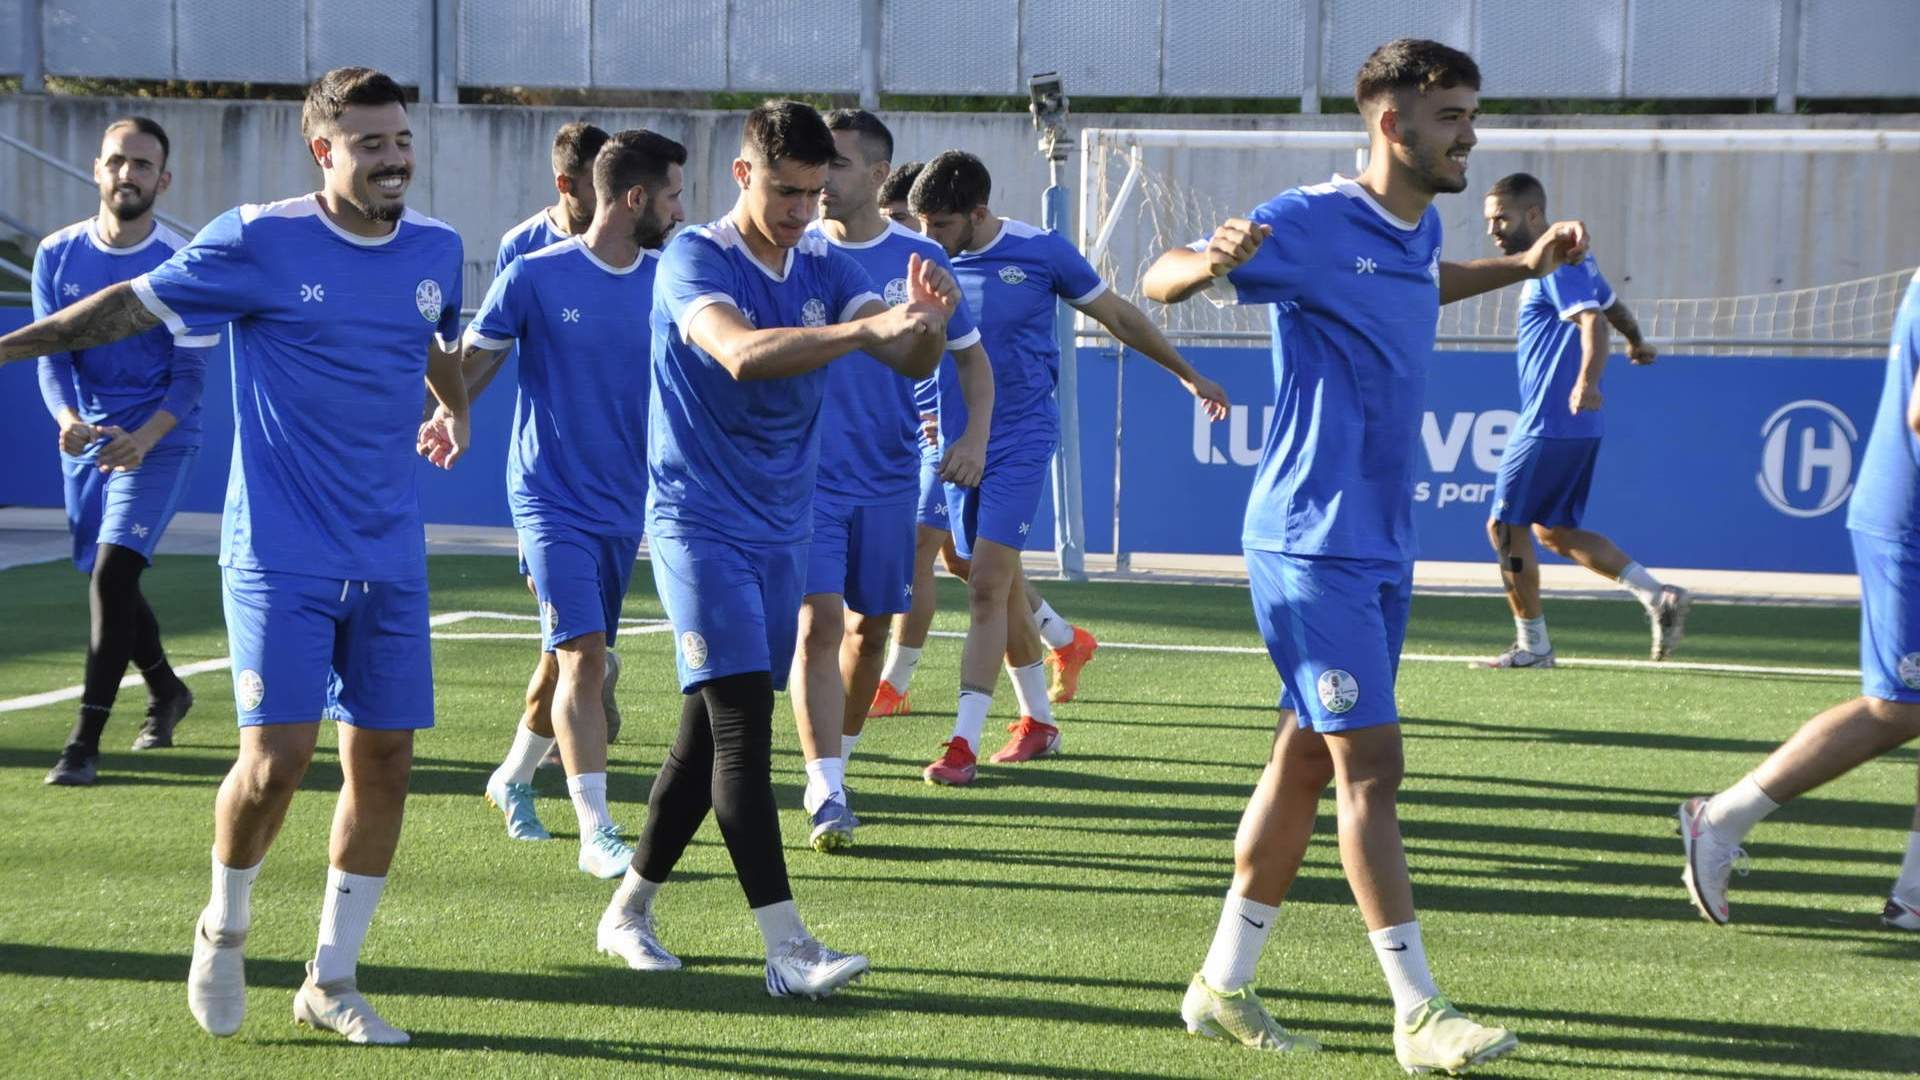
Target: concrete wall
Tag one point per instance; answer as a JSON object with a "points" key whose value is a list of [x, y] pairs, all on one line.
{"points": [[1668, 225]]}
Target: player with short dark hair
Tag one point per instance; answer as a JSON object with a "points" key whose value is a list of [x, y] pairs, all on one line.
{"points": [[1547, 467], [1352, 272], [579, 311], [1013, 274], [339, 303], [1883, 518], [129, 419], [748, 313]]}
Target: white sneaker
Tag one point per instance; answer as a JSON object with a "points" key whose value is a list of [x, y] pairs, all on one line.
{"points": [[630, 937], [217, 979], [1900, 914], [802, 967], [1669, 618], [338, 1006], [1517, 656], [1711, 862], [604, 855]]}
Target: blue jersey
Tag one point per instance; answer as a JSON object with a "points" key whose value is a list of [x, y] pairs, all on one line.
{"points": [[529, 236], [1886, 499], [738, 460], [579, 450], [1013, 286], [1355, 295], [330, 334], [1550, 353], [124, 383], [871, 449]]}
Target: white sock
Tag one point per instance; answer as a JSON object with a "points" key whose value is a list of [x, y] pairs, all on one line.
{"points": [[635, 894], [779, 923], [230, 908], [1532, 635], [1733, 813], [847, 743], [900, 664], [589, 792], [344, 917], [1030, 690], [1243, 930], [1054, 630], [1404, 959], [524, 756], [825, 777], [1907, 885], [970, 717], [1641, 584]]}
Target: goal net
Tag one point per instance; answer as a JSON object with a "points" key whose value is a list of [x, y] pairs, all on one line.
{"points": [[1687, 224]]}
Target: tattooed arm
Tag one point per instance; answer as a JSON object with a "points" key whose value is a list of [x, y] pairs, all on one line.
{"points": [[106, 316]]}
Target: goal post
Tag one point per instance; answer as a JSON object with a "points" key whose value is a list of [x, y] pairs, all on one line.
{"points": [[1144, 190]]}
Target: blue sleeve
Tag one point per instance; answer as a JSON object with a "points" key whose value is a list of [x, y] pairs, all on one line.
{"points": [[1074, 278], [187, 375], [55, 369], [1577, 288], [693, 274], [504, 256], [961, 329], [502, 317], [852, 287], [209, 282], [1275, 272]]}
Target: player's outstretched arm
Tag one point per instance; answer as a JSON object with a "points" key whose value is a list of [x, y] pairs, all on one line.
{"points": [[1181, 272], [966, 459], [782, 352], [1137, 332], [1563, 243], [1639, 349], [107, 316]]}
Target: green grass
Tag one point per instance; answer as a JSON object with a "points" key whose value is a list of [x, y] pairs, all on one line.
{"points": [[1041, 924]]}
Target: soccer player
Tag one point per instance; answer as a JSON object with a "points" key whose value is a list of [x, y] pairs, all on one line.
{"points": [[129, 416], [1012, 273], [339, 303], [748, 312], [574, 147], [1548, 463], [1884, 518], [1352, 271], [1068, 647], [577, 465], [860, 566]]}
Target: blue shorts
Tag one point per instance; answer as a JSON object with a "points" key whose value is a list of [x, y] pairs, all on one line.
{"points": [[863, 553], [735, 608], [1003, 507], [932, 511], [127, 509], [1334, 628], [580, 579], [1889, 617], [1544, 481], [311, 648]]}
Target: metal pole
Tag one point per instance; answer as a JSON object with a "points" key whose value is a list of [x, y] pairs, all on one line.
{"points": [[870, 54], [1310, 57], [33, 61], [1789, 68], [1069, 523], [446, 51]]}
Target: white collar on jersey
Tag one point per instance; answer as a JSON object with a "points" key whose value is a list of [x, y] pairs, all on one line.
{"points": [[158, 232], [1354, 191]]}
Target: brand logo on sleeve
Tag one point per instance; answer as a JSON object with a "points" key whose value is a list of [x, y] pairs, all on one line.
{"points": [[426, 297]]}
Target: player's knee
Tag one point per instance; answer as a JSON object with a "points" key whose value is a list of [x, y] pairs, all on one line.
{"points": [[584, 656], [1373, 772], [275, 773], [1554, 539], [868, 636], [1901, 716]]}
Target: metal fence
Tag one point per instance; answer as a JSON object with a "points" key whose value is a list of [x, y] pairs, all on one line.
{"points": [[1305, 49]]}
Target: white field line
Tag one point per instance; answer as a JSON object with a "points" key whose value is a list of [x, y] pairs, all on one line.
{"points": [[660, 626]]}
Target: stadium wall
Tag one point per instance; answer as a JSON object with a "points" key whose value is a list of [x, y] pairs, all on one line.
{"points": [[1667, 224], [1730, 463]]}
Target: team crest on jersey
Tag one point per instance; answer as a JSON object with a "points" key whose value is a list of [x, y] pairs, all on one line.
{"points": [[1910, 670], [249, 690], [1339, 691], [426, 297], [813, 312], [1012, 275], [896, 291], [693, 649]]}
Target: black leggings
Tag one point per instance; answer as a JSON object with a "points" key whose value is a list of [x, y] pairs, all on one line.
{"points": [[123, 626], [722, 760]]}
